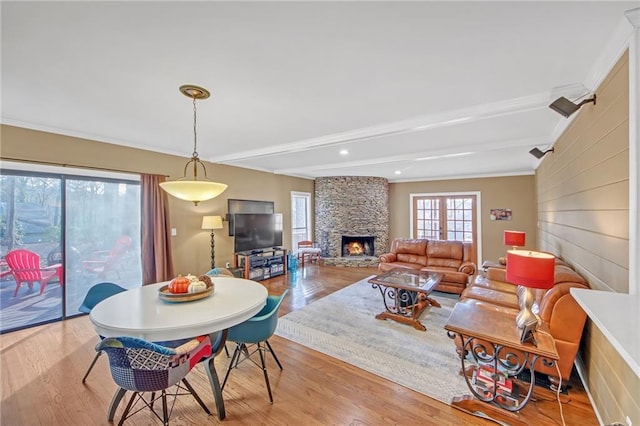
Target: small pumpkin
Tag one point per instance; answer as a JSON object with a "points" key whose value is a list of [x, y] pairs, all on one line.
{"points": [[179, 284], [206, 279], [197, 287]]}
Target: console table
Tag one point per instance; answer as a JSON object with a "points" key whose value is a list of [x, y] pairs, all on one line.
{"points": [[490, 339], [261, 264]]}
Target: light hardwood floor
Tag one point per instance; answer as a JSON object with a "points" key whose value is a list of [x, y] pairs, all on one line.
{"points": [[42, 367]]}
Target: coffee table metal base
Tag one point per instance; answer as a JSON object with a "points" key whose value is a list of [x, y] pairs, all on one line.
{"points": [[405, 294], [411, 314]]}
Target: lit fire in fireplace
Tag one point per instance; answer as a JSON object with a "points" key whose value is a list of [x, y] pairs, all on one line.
{"points": [[357, 245], [355, 249]]}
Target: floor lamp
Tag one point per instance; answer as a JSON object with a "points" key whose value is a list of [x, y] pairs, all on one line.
{"points": [[212, 222]]}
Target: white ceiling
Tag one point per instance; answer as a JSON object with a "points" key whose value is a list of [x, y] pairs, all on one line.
{"points": [[431, 89]]}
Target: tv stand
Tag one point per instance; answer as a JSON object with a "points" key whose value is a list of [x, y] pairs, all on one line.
{"points": [[261, 264]]}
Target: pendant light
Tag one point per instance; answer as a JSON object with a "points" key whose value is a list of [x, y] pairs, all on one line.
{"points": [[194, 190]]}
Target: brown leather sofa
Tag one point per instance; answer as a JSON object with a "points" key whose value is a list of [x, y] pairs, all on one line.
{"points": [[454, 259], [559, 313]]}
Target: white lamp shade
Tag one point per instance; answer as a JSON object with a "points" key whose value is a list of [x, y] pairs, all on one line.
{"points": [[193, 190], [212, 222]]}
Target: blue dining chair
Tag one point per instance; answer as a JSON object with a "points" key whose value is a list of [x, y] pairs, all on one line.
{"points": [[95, 295], [219, 272], [256, 331], [141, 366]]}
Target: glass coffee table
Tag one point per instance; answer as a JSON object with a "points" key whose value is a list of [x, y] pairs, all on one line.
{"points": [[405, 294]]}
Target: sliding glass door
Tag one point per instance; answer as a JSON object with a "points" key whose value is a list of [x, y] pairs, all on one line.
{"points": [[102, 238], [75, 230]]}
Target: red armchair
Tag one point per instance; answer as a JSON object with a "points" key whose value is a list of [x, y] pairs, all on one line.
{"points": [[105, 262]]}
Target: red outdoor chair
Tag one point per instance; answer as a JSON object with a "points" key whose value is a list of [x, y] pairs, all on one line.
{"points": [[25, 268], [110, 261]]}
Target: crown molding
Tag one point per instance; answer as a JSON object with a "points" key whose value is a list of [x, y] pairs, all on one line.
{"points": [[633, 16], [469, 176], [8, 121], [614, 49]]}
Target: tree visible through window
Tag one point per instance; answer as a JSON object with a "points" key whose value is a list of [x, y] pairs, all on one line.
{"points": [[445, 217], [300, 218], [89, 225]]}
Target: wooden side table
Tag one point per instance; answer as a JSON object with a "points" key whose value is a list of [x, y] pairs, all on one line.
{"points": [[489, 264], [491, 340]]}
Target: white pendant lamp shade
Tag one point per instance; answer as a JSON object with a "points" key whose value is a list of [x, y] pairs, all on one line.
{"points": [[193, 190]]}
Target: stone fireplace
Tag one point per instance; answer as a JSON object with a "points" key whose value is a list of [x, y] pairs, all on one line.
{"points": [[358, 245], [352, 207]]}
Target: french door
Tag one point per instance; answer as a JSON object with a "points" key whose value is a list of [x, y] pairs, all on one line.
{"points": [[445, 217]]}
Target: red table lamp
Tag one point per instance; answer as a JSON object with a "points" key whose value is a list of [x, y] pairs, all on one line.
{"points": [[530, 269], [514, 239]]}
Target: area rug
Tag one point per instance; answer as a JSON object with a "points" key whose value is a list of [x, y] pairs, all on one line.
{"points": [[343, 325]]}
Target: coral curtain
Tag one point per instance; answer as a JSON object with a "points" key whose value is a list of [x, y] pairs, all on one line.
{"points": [[157, 261]]}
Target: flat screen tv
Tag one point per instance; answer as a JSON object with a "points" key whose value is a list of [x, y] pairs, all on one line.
{"points": [[255, 231]]}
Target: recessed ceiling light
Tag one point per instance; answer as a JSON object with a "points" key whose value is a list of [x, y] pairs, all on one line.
{"points": [[344, 152], [398, 172]]}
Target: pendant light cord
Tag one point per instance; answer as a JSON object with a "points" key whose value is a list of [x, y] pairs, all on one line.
{"points": [[195, 134]]}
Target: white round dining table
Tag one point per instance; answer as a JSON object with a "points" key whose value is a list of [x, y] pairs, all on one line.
{"points": [[141, 313]]}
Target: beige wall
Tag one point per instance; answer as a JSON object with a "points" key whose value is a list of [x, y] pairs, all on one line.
{"points": [[515, 193], [583, 213], [191, 246]]}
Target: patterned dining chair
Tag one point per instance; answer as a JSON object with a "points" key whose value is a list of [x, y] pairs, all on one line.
{"points": [[25, 268], [256, 331], [141, 366]]}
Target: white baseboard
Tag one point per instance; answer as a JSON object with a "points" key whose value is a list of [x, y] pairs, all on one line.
{"points": [[581, 372]]}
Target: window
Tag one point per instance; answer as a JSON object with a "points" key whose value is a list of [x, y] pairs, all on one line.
{"points": [[300, 218], [90, 225]]}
